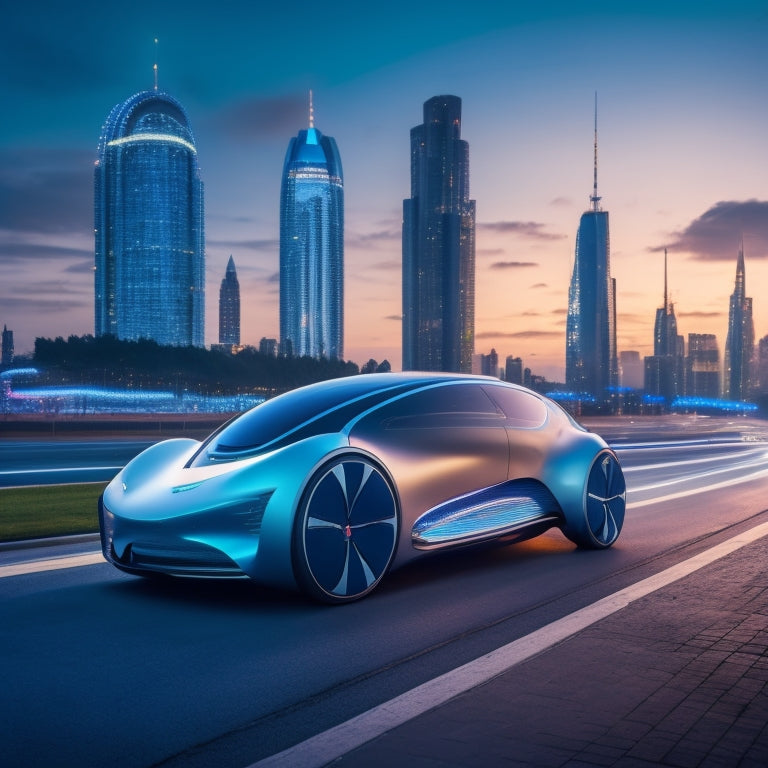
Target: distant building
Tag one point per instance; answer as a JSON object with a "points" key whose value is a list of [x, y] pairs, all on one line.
{"points": [[665, 369], [489, 365], [513, 370], [268, 347], [702, 366], [591, 362], [740, 342], [312, 247], [229, 306], [149, 243], [631, 370], [6, 360], [439, 245], [762, 365]]}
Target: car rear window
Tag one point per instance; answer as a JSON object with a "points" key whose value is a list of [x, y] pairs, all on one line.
{"points": [[523, 410]]}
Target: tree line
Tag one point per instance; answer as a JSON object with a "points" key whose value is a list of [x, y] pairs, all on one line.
{"points": [[144, 364]]}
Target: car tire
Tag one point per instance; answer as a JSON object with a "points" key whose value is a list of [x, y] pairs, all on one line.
{"points": [[599, 522], [346, 530]]}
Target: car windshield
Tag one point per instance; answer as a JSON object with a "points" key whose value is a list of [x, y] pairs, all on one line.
{"points": [[316, 409]]}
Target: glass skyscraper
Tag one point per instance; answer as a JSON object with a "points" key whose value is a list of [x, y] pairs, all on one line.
{"points": [[591, 362], [740, 342], [439, 245], [312, 247], [148, 200], [229, 306]]}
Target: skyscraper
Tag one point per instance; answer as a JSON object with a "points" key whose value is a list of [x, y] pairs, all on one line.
{"points": [[439, 245], [665, 370], [312, 246], [150, 258], [7, 348], [229, 306], [702, 366], [740, 342], [591, 363]]}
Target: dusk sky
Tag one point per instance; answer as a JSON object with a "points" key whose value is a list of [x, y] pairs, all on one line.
{"points": [[683, 151]]}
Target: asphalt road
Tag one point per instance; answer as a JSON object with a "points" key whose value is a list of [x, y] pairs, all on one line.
{"points": [[101, 668], [27, 462]]}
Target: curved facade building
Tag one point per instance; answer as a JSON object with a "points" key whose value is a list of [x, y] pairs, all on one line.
{"points": [[312, 248], [148, 200]]}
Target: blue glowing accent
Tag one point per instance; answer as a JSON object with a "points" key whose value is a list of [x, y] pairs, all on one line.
{"points": [[568, 397], [715, 404], [19, 372]]}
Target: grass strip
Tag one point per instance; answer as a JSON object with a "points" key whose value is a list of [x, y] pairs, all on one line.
{"points": [[49, 510]]}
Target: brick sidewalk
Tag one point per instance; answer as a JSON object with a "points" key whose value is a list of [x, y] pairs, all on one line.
{"points": [[678, 678]]}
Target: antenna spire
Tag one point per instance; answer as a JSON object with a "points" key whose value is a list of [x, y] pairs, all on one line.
{"points": [[154, 67], [311, 111], [595, 199]]}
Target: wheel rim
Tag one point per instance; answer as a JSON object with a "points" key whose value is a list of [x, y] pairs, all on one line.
{"points": [[349, 529], [606, 499]]}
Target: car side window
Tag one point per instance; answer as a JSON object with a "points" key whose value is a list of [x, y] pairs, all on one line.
{"points": [[522, 410], [453, 405]]}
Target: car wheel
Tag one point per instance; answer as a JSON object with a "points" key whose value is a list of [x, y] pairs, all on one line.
{"points": [[604, 503], [346, 530]]}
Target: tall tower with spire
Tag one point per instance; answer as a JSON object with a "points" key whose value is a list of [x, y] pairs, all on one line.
{"points": [[312, 246], [229, 307], [740, 342], [665, 369], [591, 362], [148, 223], [439, 245]]}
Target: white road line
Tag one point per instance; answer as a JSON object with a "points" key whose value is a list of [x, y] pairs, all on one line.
{"points": [[690, 491], [55, 564], [58, 469], [336, 742]]}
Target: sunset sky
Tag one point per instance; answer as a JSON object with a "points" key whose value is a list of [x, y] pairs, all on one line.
{"points": [[683, 151]]}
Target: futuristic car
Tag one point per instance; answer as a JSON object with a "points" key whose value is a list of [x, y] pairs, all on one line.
{"points": [[329, 486]]}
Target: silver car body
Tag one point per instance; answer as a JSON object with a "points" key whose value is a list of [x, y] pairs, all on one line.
{"points": [[413, 462]]}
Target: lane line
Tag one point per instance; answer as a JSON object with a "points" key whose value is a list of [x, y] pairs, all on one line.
{"points": [[57, 469], [334, 743], [757, 474], [55, 564]]}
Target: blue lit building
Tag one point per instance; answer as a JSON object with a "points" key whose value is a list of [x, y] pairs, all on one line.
{"points": [[439, 245], [229, 307], [149, 240], [591, 362], [312, 247], [740, 342]]}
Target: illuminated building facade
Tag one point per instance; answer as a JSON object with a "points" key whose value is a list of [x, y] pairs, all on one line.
{"points": [[439, 245], [591, 362], [702, 366], [229, 307], [312, 247], [149, 240], [740, 342], [7, 349]]}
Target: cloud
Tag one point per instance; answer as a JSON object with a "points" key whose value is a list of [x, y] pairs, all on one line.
{"points": [[561, 202], [490, 251], [716, 234], [257, 118], [539, 285], [268, 244], [513, 264], [373, 240], [701, 315], [387, 265], [519, 335], [46, 191], [22, 253], [531, 229], [399, 318]]}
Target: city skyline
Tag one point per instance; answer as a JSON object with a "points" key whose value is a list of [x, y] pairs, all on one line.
{"points": [[683, 156]]}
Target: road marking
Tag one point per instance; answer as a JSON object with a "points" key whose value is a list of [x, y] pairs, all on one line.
{"points": [[58, 469], [332, 744], [54, 564]]}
